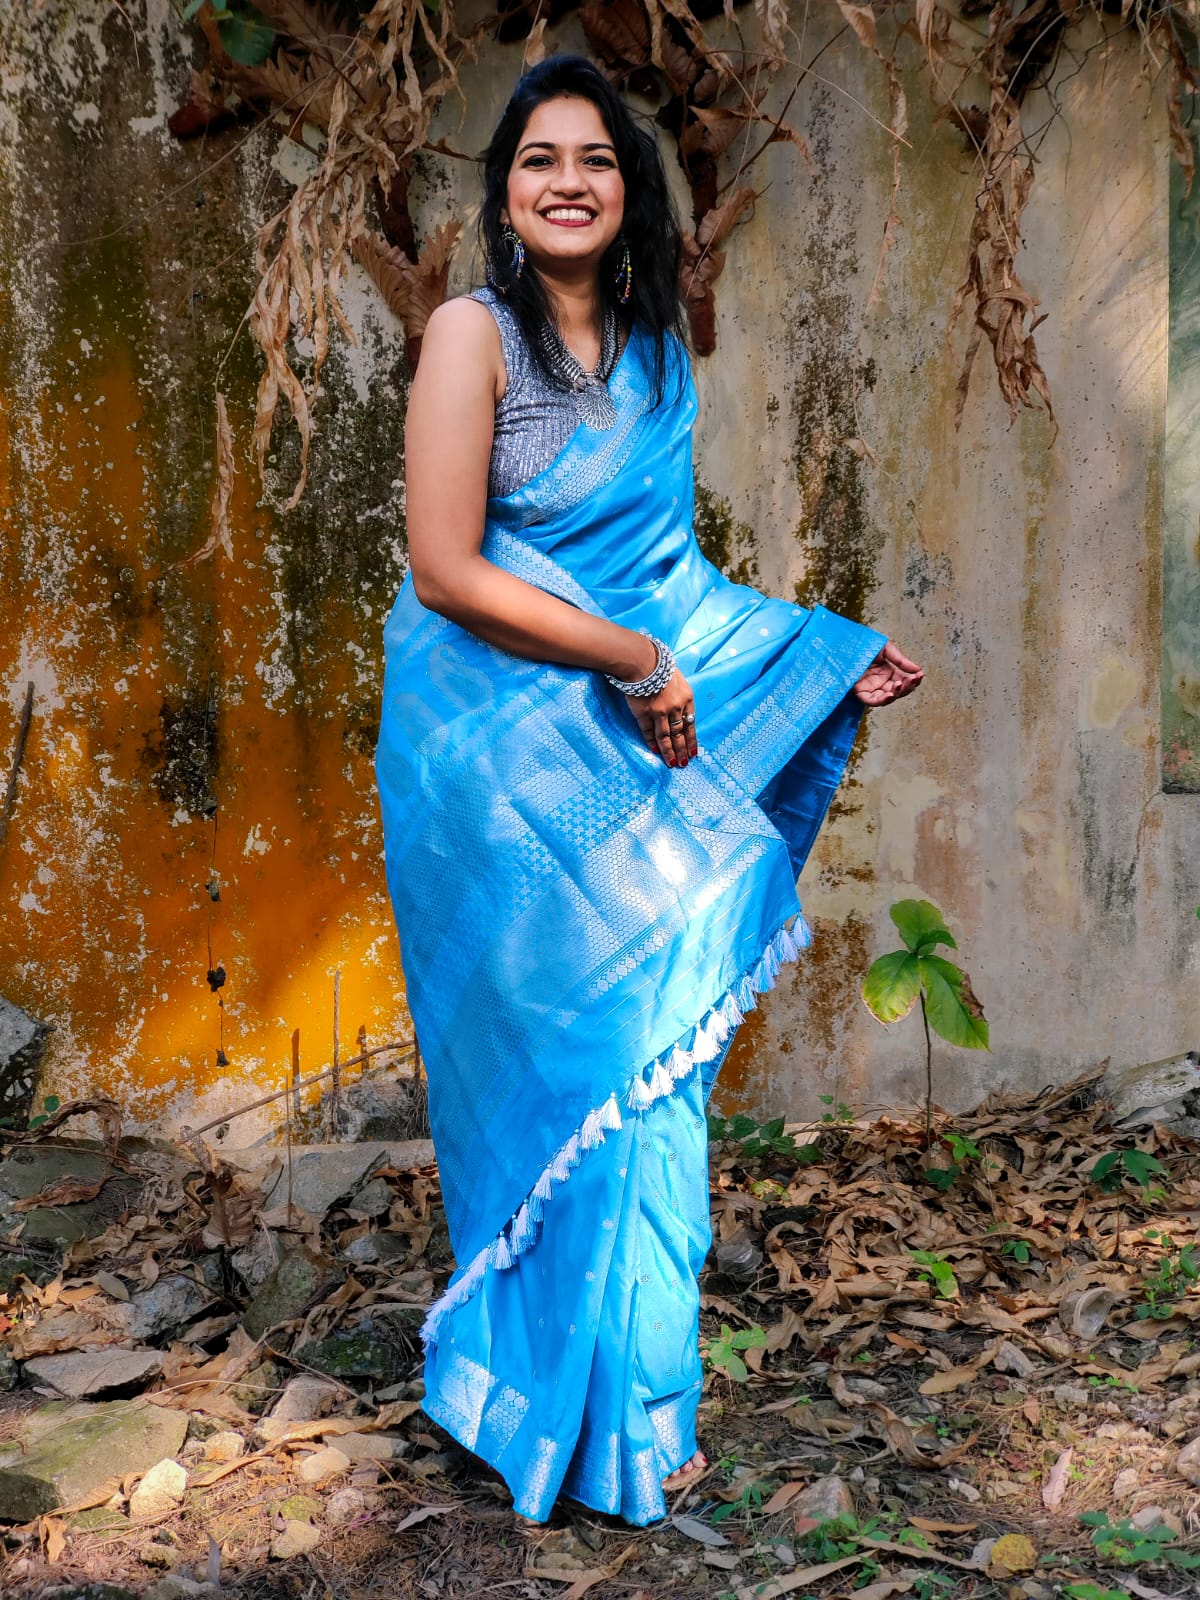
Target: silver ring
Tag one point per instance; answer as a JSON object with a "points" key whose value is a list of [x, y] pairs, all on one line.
{"points": [[689, 717]]}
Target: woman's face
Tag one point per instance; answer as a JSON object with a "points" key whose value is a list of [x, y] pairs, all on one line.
{"points": [[566, 196]]}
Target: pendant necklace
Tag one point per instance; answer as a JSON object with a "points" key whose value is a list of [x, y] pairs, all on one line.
{"points": [[588, 390]]}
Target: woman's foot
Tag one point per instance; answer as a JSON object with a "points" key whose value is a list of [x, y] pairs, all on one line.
{"points": [[687, 1473]]}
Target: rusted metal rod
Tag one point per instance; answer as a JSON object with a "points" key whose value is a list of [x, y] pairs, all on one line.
{"points": [[302, 1083]]}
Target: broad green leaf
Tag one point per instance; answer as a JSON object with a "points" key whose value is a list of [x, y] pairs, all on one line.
{"points": [[248, 37], [953, 1011], [891, 987], [1140, 1166], [922, 926]]}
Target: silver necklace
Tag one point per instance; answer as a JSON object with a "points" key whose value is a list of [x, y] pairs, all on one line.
{"points": [[588, 390]]}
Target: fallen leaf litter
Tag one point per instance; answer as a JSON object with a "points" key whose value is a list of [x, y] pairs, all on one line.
{"points": [[918, 1373]]}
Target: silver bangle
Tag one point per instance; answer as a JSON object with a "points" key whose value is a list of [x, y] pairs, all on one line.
{"points": [[643, 688]]}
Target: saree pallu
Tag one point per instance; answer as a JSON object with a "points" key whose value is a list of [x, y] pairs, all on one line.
{"points": [[582, 930]]}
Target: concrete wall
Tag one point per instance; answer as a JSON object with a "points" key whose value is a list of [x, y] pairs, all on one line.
{"points": [[219, 719]]}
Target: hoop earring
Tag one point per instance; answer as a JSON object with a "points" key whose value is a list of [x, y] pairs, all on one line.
{"points": [[514, 242], [624, 277]]}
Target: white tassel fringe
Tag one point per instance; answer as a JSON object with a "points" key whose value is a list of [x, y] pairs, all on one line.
{"points": [[521, 1233]]}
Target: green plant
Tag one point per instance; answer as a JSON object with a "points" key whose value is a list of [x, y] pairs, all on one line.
{"points": [[1116, 1165], [1093, 1591], [49, 1106], [840, 1116], [1127, 1546], [1018, 1249], [1111, 1381], [747, 1504], [1176, 1272], [723, 1352], [938, 1271], [932, 1586], [897, 982], [760, 1139], [246, 35]]}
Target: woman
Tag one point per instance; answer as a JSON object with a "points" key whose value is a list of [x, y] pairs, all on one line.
{"points": [[601, 766]]}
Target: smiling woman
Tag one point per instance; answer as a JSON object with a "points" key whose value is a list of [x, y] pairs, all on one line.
{"points": [[601, 765]]}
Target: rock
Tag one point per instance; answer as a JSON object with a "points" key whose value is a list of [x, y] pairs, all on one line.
{"points": [[1035, 1590], [1187, 1463], [967, 1491], [1157, 1517], [1070, 1394], [164, 1309], [1126, 1483], [300, 1508], [13, 1267], [384, 1344], [328, 1462], [162, 1556], [393, 1108], [821, 1501], [368, 1446], [22, 1041], [80, 1373], [255, 1262], [321, 1174], [868, 1388], [374, 1199], [10, 1373], [177, 1587], [70, 1450], [377, 1249], [1011, 1358], [160, 1491], [30, 1169], [739, 1258], [299, 1281], [345, 1505], [224, 1446], [297, 1539], [1156, 1091], [304, 1399]]}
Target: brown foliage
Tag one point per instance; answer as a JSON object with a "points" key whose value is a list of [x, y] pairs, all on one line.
{"points": [[412, 290]]}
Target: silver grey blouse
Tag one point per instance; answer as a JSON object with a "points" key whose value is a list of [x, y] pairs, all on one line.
{"points": [[534, 420]]}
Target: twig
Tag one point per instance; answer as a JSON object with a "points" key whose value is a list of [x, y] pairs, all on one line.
{"points": [[303, 1083], [10, 794]]}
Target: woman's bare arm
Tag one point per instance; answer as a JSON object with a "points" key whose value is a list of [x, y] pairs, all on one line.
{"points": [[448, 439], [448, 446]]}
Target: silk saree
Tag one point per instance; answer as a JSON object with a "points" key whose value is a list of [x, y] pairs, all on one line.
{"points": [[582, 930]]}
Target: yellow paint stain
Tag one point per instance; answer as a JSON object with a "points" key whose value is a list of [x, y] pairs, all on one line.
{"points": [[110, 927], [1113, 689]]}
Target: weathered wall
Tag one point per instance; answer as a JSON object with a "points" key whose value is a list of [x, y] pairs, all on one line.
{"points": [[216, 722]]}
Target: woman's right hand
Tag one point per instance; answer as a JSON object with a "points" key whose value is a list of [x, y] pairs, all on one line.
{"points": [[663, 721]]}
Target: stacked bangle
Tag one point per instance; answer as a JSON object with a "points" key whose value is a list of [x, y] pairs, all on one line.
{"points": [[643, 688]]}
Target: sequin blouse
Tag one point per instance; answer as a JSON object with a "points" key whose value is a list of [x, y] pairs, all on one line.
{"points": [[534, 420]]}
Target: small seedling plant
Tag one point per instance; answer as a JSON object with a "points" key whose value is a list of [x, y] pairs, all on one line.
{"points": [[760, 1139], [937, 1270], [1115, 1166], [916, 975], [1178, 1271], [724, 1352], [1127, 1546]]}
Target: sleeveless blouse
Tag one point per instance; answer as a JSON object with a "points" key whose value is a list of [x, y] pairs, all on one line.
{"points": [[534, 420]]}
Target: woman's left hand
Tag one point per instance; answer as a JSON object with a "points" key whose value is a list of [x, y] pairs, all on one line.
{"points": [[889, 677]]}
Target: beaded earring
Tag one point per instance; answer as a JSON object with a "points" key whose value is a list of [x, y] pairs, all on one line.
{"points": [[514, 242], [624, 277]]}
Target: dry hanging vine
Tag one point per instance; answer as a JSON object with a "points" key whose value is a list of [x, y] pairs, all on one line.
{"points": [[371, 78]]}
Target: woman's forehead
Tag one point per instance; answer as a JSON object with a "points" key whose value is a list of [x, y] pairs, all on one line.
{"points": [[565, 120]]}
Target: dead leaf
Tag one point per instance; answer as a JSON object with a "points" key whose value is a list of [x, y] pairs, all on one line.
{"points": [[1056, 1484], [1031, 1406], [112, 1285], [423, 1514], [931, 1525], [782, 1498], [693, 1528]]}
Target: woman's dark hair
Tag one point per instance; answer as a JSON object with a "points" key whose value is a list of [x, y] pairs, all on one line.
{"points": [[650, 228]]}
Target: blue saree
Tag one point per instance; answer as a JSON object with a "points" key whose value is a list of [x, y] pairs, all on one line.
{"points": [[582, 929]]}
